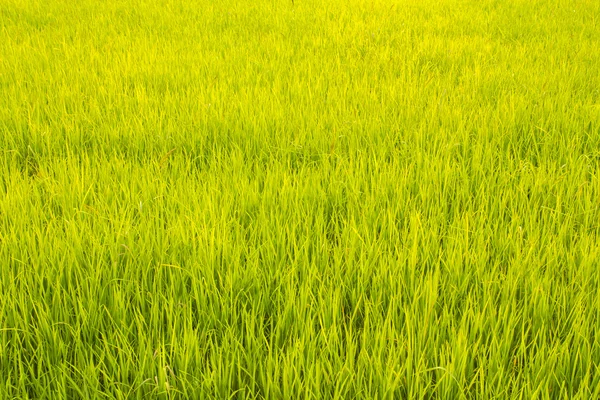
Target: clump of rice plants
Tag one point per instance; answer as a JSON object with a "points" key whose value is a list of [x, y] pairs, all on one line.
{"points": [[311, 199]]}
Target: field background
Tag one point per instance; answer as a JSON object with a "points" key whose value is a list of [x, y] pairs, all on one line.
{"points": [[310, 199]]}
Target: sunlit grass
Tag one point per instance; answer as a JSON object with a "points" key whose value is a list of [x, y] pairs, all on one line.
{"points": [[358, 199]]}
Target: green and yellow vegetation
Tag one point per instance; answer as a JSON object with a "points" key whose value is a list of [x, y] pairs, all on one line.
{"points": [[299, 200]]}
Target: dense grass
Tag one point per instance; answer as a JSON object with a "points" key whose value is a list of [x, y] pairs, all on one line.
{"points": [[317, 199]]}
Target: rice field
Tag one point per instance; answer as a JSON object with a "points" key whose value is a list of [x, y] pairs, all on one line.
{"points": [[305, 199]]}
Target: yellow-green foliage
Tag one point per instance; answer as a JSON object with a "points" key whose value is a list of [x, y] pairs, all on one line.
{"points": [[310, 199]]}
